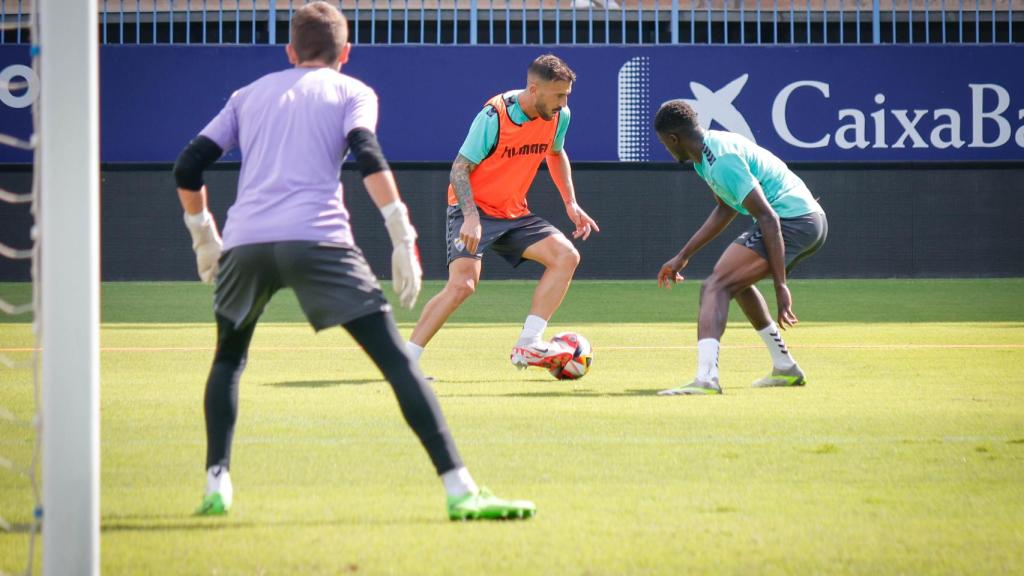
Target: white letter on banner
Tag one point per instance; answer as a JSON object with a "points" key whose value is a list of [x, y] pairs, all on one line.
{"points": [[31, 82], [979, 116], [857, 127], [1020, 131], [879, 117], [910, 128], [779, 114], [953, 126]]}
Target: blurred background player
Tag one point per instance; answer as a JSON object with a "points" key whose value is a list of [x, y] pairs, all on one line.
{"points": [[289, 228], [789, 226], [487, 207]]}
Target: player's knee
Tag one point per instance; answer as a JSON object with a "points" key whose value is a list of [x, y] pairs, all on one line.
{"points": [[713, 283], [462, 289], [568, 260]]}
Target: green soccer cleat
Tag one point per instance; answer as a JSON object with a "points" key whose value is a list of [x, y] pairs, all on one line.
{"points": [[695, 388], [213, 505], [486, 506], [782, 378]]}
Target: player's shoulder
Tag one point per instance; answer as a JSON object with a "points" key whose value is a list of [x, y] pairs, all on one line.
{"points": [[353, 85], [270, 78], [492, 107], [725, 146], [724, 142]]}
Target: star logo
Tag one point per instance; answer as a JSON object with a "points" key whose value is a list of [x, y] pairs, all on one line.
{"points": [[716, 106]]}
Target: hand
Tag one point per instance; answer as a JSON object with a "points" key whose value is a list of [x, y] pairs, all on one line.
{"points": [[206, 243], [784, 300], [406, 273], [584, 223], [669, 273], [207, 260], [470, 233]]}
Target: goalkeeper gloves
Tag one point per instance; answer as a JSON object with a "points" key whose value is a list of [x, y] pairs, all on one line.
{"points": [[406, 272], [206, 243]]}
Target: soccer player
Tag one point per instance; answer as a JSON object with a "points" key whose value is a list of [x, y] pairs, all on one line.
{"points": [[510, 137], [289, 228], [789, 226]]}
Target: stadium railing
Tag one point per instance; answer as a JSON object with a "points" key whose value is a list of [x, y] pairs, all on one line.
{"points": [[557, 21]]}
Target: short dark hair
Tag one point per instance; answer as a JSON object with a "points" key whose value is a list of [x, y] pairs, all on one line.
{"points": [[676, 117], [319, 32], [550, 68]]}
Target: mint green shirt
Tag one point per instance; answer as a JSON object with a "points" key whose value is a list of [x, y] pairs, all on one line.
{"points": [[483, 133], [732, 165]]}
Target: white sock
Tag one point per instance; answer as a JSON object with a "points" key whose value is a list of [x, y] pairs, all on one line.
{"points": [[218, 479], [533, 329], [458, 482], [776, 347], [414, 351], [707, 359]]}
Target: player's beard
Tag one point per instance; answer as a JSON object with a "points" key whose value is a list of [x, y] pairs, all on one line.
{"points": [[546, 114]]}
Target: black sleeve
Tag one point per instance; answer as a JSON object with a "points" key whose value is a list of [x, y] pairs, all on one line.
{"points": [[366, 151], [199, 155]]}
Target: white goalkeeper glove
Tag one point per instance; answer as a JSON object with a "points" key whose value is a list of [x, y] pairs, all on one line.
{"points": [[406, 272], [206, 243]]}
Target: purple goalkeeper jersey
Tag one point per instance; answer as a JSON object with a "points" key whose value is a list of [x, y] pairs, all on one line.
{"points": [[291, 128]]}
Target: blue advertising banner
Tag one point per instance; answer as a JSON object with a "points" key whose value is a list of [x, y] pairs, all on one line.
{"points": [[812, 104]]}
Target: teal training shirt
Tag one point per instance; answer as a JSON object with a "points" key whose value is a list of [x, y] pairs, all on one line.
{"points": [[732, 165], [483, 133]]}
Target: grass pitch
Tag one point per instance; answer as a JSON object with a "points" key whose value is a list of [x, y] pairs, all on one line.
{"points": [[903, 455]]}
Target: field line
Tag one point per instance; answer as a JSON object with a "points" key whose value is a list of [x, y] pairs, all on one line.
{"points": [[602, 348]]}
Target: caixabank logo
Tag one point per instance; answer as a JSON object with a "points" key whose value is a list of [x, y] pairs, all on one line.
{"points": [[832, 117]]}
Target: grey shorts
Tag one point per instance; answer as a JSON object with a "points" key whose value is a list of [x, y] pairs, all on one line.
{"points": [[333, 283], [508, 238], [802, 235]]}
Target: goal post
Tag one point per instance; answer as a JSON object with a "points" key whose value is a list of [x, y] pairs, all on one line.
{"points": [[69, 275]]}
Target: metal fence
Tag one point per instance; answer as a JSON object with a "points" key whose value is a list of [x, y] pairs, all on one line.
{"points": [[433, 22]]}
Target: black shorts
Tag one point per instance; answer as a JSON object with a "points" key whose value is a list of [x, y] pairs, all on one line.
{"points": [[802, 236], [509, 238], [333, 283]]}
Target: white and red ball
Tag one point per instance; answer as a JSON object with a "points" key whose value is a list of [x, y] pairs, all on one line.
{"points": [[579, 356]]}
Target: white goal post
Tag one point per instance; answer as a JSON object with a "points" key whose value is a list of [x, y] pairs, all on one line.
{"points": [[69, 274]]}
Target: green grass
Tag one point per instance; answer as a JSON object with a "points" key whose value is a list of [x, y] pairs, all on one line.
{"points": [[904, 455]]}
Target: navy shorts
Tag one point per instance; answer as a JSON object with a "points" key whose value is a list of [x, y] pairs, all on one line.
{"points": [[509, 238], [333, 283], [802, 236]]}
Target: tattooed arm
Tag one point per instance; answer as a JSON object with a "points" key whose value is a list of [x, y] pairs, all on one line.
{"points": [[460, 182], [470, 232]]}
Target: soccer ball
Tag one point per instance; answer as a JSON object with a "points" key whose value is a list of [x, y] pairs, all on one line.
{"points": [[579, 355]]}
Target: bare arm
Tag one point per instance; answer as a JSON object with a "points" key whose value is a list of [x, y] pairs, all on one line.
{"points": [[471, 231], [771, 229], [717, 221], [561, 175], [459, 178], [768, 222], [382, 188], [192, 201]]}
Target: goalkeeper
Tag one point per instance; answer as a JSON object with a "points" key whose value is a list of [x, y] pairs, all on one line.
{"points": [[289, 228]]}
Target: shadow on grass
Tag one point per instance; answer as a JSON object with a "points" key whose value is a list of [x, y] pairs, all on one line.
{"points": [[478, 380], [169, 525], [579, 393], [325, 383], [189, 523]]}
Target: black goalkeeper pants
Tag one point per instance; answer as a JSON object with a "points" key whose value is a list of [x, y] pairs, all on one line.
{"points": [[379, 337]]}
